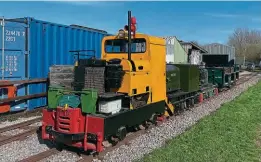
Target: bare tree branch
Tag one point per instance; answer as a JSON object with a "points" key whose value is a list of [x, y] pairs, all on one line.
{"points": [[246, 42]]}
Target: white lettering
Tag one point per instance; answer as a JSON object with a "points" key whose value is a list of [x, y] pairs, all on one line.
{"points": [[14, 33], [10, 39], [7, 32]]}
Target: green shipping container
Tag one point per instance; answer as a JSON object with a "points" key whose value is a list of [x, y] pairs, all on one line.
{"points": [[189, 77]]}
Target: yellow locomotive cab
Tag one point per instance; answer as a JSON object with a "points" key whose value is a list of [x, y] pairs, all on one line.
{"points": [[145, 71]]}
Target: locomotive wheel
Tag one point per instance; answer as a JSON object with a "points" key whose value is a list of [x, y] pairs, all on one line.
{"points": [[114, 141], [188, 104], [121, 134], [192, 102], [182, 106]]}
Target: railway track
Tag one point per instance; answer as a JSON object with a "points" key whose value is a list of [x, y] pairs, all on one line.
{"points": [[126, 141], [14, 115], [24, 125], [41, 155]]}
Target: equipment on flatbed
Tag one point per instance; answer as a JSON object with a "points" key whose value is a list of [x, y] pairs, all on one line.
{"points": [[122, 90], [221, 71]]}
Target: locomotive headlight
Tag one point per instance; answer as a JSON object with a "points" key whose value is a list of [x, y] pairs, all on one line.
{"points": [[121, 34]]}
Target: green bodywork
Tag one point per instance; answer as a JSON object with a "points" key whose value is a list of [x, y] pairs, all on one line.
{"points": [[236, 71], [189, 77], [218, 77], [86, 99], [236, 68], [173, 77]]}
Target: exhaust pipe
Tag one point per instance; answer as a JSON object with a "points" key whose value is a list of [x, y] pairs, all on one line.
{"points": [[129, 35]]}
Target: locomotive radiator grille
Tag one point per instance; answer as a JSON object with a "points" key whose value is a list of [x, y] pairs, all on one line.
{"points": [[94, 78], [61, 75], [67, 120], [63, 123]]}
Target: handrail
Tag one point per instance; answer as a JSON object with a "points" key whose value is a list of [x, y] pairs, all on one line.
{"points": [[30, 81], [9, 83], [23, 97]]}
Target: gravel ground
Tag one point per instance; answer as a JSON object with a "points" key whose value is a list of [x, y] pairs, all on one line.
{"points": [[12, 132], [19, 150], [19, 120], [62, 156], [245, 73], [38, 124], [143, 144], [157, 136]]}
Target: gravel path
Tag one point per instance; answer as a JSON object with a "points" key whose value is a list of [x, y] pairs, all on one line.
{"points": [[143, 144]]}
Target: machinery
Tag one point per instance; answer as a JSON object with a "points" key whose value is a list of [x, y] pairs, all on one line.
{"points": [[221, 71], [111, 96]]}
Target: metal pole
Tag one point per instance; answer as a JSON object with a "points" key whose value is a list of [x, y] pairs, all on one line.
{"points": [[129, 35], [3, 48]]}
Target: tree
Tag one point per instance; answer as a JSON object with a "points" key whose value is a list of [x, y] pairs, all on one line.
{"points": [[247, 43]]}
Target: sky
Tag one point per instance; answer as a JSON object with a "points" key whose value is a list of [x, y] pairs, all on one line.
{"points": [[204, 22]]}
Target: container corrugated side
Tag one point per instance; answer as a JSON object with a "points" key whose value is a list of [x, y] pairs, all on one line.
{"points": [[40, 44]]}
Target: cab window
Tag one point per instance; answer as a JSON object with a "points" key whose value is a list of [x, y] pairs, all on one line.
{"points": [[138, 45]]}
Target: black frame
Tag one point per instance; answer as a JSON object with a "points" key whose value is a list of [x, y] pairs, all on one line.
{"points": [[142, 39]]}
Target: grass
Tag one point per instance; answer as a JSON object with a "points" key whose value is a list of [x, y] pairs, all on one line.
{"points": [[231, 134]]}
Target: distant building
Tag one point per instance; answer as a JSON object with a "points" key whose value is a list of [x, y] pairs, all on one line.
{"points": [[193, 51], [221, 49], [175, 53]]}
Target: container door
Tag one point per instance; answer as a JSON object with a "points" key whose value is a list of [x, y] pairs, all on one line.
{"points": [[12, 56]]}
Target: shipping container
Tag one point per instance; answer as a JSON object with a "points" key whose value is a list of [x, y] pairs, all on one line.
{"points": [[221, 49], [174, 51], [29, 47]]}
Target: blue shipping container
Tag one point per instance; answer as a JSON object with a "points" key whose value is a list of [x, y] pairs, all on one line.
{"points": [[29, 47]]}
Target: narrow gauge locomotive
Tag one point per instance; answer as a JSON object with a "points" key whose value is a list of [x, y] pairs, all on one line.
{"points": [[120, 91]]}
